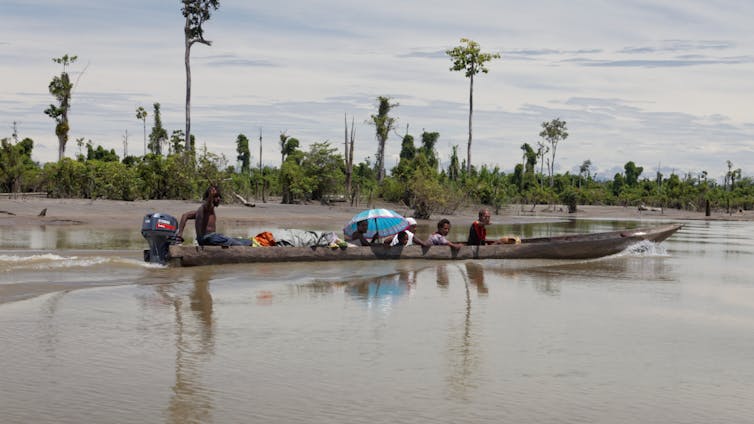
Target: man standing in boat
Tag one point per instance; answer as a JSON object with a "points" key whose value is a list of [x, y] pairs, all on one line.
{"points": [[478, 232], [206, 220]]}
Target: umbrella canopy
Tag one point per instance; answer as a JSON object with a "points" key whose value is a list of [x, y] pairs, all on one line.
{"points": [[384, 221]]}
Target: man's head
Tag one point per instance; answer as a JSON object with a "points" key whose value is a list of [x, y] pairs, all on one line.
{"points": [[411, 224], [213, 193], [362, 226], [484, 216], [402, 238]]}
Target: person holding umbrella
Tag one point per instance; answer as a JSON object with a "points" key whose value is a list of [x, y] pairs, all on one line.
{"points": [[373, 224], [359, 237]]}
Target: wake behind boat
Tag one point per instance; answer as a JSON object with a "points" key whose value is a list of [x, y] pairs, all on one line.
{"points": [[579, 246]]}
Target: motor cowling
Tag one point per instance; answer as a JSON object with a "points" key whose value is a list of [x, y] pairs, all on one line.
{"points": [[159, 229]]}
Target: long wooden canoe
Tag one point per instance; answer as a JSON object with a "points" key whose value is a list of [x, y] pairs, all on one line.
{"points": [[580, 246]]}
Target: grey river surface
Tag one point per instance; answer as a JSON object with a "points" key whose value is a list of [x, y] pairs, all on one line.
{"points": [[657, 334]]}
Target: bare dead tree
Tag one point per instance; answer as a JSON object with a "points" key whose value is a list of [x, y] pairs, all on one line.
{"points": [[261, 170], [349, 155]]}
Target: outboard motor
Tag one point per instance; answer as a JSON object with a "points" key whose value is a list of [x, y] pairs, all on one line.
{"points": [[160, 231]]}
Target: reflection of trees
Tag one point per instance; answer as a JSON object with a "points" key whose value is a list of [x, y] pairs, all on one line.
{"points": [[464, 354], [49, 330], [442, 276], [194, 341], [549, 284], [475, 273]]}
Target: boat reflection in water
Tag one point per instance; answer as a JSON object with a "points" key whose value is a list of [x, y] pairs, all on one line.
{"points": [[388, 287], [384, 291], [382, 295]]}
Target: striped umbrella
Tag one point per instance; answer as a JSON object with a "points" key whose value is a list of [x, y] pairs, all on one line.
{"points": [[383, 221]]}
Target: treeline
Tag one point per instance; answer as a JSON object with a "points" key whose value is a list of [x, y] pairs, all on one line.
{"points": [[173, 168], [321, 173]]}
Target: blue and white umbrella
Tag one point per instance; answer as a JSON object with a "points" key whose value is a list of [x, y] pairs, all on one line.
{"points": [[383, 221]]}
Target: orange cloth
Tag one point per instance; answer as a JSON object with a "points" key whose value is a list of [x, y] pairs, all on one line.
{"points": [[265, 239]]}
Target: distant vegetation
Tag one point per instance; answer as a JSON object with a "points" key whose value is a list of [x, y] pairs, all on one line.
{"points": [[173, 170], [172, 167]]}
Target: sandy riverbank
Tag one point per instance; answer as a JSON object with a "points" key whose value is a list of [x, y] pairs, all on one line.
{"points": [[121, 214]]}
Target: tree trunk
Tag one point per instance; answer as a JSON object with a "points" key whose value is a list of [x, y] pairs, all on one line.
{"points": [[381, 161], [61, 147], [542, 168], [187, 59], [552, 166], [264, 187], [62, 130], [349, 158], [144, 120], [471, 113], [260, 167]]}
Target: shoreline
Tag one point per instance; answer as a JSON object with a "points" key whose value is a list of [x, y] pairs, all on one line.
{"points": [[25, 213]]}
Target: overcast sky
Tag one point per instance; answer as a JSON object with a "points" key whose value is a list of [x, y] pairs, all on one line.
{"points": [[666, 84]]}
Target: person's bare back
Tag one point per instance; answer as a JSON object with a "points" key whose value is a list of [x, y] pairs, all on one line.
{"points": [[204, 216]]}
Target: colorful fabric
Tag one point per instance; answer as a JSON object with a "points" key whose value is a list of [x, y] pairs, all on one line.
{"points": [[264, 239]]}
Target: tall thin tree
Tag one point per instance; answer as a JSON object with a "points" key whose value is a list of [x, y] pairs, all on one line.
{"points": [[553, 132], [469, 58], [261, 171], [383, 124], [141, 114], [159, 135], [585, 167], [454, 168], [61, 88], [196, 13], [349, 154], [244, 155], [288, 145], [15, 132]]}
